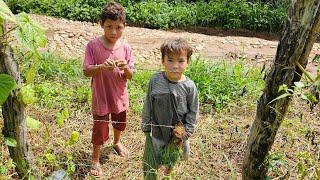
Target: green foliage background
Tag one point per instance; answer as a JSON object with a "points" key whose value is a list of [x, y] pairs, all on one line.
{"points": [[226, 14]]}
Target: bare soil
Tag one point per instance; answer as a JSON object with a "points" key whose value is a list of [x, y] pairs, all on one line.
{"points": [[69, 38]]}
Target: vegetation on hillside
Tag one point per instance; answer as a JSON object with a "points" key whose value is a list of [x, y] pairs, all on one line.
{"points": [[254, 15]]}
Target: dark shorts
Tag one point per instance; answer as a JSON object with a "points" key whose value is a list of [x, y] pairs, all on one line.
{"points": [[100, 131]]}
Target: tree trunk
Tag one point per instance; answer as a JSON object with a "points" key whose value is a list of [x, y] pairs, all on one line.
{"points": [[13, 112], [301, 30]]}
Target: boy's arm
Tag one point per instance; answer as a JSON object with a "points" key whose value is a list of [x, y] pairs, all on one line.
{"points": [[128, 63], [192, 115], [128, 72], [90, 70], [146, 111], [89, 66]]}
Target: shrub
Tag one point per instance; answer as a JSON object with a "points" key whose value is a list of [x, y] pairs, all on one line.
{"points": [[226, 14], [220, 84]]}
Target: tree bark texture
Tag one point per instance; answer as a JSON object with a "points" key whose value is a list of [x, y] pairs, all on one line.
{"points": [[301, 30], [13, 112]]}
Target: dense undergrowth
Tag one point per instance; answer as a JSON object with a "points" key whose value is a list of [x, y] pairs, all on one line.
{"points": [[61, 81], [167, 14], [227, 94]]}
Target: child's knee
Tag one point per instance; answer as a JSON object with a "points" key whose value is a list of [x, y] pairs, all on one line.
{"points": [[119, 121]]}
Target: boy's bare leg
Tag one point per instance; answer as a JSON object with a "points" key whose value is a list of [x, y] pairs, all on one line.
{"points": [[96, 153], [95, 170], [118, 146]]}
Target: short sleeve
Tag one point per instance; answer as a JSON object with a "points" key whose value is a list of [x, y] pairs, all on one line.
{"points": [[88, 57], [129, 56]]}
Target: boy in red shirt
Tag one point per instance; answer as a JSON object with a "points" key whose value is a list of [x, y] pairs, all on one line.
{"points": [[109, 62]]}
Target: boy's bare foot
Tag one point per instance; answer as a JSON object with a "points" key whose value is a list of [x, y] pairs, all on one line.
{"points": [[96, 170], [121, 150]]}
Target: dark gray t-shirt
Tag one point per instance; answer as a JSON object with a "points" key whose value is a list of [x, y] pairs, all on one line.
{"points": [[157, 109]]}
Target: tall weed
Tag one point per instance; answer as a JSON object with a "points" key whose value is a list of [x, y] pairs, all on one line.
{"points": [[60, 82], [137, 88], [219, 84]]}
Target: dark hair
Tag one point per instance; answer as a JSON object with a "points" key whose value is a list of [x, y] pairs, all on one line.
{"points": [[113, 11], [175, 45]]}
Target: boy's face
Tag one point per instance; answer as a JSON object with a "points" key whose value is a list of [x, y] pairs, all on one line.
{"points": [[175, 65], [112, 30]]}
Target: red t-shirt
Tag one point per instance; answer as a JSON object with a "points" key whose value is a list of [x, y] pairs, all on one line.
{"points": [[109, 88]]}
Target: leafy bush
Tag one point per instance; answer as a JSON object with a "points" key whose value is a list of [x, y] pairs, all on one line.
{"points": [[59, 82], [237, 14], [137, 88], [59, 69], [220, 84]]}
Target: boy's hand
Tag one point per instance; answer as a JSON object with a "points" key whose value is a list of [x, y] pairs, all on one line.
{"points": [[109, 65], [121, 64]]}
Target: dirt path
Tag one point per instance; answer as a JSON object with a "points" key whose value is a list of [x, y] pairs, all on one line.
{"points": [[69, 38]]}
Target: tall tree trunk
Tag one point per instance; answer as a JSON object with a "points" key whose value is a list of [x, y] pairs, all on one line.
{"points": [[301, 30], [13, 112]]}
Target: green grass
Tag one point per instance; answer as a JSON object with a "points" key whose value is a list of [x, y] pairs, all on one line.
{"points": [[137, 89], [223, 133], [220, 84], [60, 83]]}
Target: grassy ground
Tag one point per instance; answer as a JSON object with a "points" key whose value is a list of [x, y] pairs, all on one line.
{"points": [[218, 138], [217, 146]]}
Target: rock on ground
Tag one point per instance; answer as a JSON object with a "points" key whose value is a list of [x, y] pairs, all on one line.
{"points": [[69, 38]]}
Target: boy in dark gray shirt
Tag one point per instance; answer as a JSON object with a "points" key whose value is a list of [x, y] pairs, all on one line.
{"points": [[171, 97]]}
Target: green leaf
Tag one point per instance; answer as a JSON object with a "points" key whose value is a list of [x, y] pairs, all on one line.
{"points": [[30, 33], [3, 169], [65, 113], [31, 74], [33, 123], [9, 141], [310, 98], [50, 157], [283, 87], [62, 116], [71, 167], [31, 177], [59, 119], [27, 94], [6, 85], [5, 12], [304, 97], [280, 97], [299, 84], [74, 138]]}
